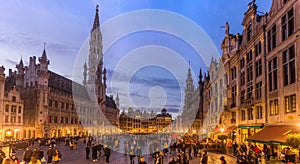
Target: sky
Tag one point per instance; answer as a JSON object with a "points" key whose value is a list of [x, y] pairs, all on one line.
{"points": [[148, 45]]}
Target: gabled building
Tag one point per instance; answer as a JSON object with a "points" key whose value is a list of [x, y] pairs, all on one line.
{"points": [[11, 110]]}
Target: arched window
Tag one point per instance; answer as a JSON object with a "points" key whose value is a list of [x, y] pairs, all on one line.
{"points": [[14, 99]]}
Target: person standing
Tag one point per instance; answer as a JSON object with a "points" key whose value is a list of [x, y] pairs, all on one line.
{"points": [[142, 160], [49, 155], [204, 159], [94, 153], [106, 153], [87, 152], [56, 155], [222, 160]]}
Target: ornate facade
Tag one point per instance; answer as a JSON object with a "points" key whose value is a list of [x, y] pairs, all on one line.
{"points": [[137, 122], [262, 68], [55, 106], [11, 110]]}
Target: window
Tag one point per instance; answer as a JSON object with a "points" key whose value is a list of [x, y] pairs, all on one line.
{"points": [[233, 73], [14, 99], [55, 119], [19, 119], [285, 1], [72, 121], [258, 90], [62, 120], [259, 112], [233, 94], [290, 103], [75, 121], [62, 105], [19, 109], [50, 103], [242, 63], [250, 113], [258, 68], [13, 119], [67, 106], [13, 109], [257, 48], [55, 104], [243, 96], [243, 115], [6, 108], [287, 24], [242, 78], [6, 119], [274, 107], [271, 39], [273, 79], [249, 92], [49, 119], [249, 73], [67, 120], [249, 32], [289, 70], [249, 56]]}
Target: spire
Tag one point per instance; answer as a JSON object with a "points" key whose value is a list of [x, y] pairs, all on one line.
{"points": [[44, 56], [96, 20], [227, 28], [44, 59], [21, 63], [200, 76], [84, 73]]}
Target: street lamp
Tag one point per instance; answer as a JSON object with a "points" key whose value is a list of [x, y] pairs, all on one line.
{"points": [[222, 130]]}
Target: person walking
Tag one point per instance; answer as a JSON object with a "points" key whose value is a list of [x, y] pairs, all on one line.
{"points": [[222, 160], [2, 155], [27, 155], [204, 159], [34, 160], [49, 155]]}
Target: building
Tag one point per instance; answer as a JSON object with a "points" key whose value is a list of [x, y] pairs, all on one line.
{"points": [[11, 110], [261, 65], [193, 102], [216, 111], [55, 106], [137, 122]]}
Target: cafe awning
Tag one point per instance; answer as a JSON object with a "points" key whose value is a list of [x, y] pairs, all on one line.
{"points": [[274, 133]]}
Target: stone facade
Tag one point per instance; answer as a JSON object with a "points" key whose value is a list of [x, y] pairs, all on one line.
{"points": [[261, 65], [137, 122], [11, 110]]}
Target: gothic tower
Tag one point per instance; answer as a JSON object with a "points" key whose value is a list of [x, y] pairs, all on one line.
{"points": [[94, 74], [20, 75], [189, 89]]}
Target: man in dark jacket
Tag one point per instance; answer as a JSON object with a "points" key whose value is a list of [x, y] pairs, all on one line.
{"points": [[204, 158], [106, 153], [49, 155], [87, 152], [27, 155]]}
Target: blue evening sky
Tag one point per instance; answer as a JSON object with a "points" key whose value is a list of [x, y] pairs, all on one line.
{"points": [[147, 68]]}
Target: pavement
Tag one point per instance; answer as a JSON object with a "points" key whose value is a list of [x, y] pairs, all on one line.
{"points": [[78, 156]]}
